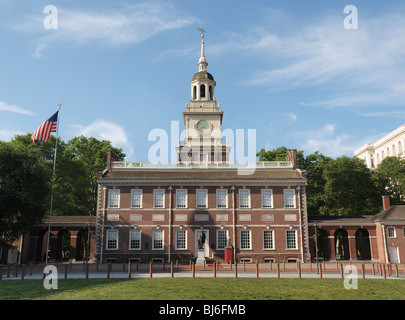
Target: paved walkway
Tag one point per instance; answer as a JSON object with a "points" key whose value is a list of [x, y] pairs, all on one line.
{"points": [[65, 271]]}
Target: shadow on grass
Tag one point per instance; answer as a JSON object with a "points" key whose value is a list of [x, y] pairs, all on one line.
{"points": [[66, 289]]}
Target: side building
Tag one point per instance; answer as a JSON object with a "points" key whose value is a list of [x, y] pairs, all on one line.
{"points": [[391, 145]]}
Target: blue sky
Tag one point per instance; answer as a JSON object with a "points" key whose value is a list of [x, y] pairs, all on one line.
{"points": [[288, 69]]}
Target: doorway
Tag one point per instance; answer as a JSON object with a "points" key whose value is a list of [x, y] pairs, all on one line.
{"points": [[393, 254]]}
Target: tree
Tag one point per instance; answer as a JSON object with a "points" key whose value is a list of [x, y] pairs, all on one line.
{"points": [[78, 164], [315, 164], [24, 190], [70, 178], [390, 178], [92, 153], [349, 188]]}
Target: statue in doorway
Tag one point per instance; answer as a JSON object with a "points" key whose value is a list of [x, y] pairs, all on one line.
{"points": [[201, 241]]}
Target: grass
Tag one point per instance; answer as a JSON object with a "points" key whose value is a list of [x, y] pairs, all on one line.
{"points": [[202, 289]]}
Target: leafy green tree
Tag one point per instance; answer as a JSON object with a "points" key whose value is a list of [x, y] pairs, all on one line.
{"points": [[78, 164], [315, 164], [24, 190], [70, 179], [92, 153], [390, 178], [349, 188]]}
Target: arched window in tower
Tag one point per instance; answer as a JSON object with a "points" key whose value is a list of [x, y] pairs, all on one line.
{"points": [[399, 149], [202, 91], [210, 95], [195, 92]]}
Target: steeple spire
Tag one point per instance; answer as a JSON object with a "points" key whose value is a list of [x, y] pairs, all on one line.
{"points": [[202, 63]]}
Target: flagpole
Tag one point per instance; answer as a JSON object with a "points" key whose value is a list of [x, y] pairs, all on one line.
{"points": [[53, 184]]}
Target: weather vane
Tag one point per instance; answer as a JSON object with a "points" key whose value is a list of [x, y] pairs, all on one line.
{"points": [[202, 31]]}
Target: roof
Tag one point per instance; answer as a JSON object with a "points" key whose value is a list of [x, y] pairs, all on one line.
{"points": [[70, 221], [341, 220], [203, 75], [392, 213], [199, 175]]}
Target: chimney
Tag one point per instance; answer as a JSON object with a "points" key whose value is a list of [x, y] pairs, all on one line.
{"points": [[292, 156], [386, 202], [110, 158]]}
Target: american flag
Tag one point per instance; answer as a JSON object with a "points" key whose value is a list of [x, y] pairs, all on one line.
{"points": [[44, 131]]}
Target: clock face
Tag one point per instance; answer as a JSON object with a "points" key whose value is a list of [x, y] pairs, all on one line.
{"points": [[203, 125]]}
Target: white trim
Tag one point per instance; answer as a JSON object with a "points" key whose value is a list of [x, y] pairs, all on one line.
{"points": [[285, 198], [111, 192], [295, 239], [197, 198], [155, 194], [226, 238], [245, 192], [272, 239], [140, 194], [185, 239], [135, 231], [154, 232], [263, 192], [218, 191], [250, 239], [394, 231], [109, 234], [178, 193]]}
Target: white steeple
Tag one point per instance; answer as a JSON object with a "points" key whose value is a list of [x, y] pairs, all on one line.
{"points": [[202, 63]]}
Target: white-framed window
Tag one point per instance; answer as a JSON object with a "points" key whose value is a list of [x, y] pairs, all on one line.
{"points": [[135, 239], [222, 239], [157, 239], [222, 198], [245, 239], [158, 198], [244, 198], [267, 198], [112, 239], [268, 239], [391, 232], [181, 239], [181, 198], [114, 198], [289, 198], [201, 195], [136, 198], [291, 239]]}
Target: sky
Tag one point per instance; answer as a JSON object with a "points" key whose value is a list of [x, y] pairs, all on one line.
{"points": [[304, 74]]}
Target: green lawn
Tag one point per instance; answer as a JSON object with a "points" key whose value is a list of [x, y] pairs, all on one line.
{"points": [[202, 289]]}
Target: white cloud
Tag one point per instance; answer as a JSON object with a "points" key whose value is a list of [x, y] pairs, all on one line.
{"points": [[356, 67], [4, 106], [292, 116], [129, 24], [326, 141], [104, 130], [7, 135]]}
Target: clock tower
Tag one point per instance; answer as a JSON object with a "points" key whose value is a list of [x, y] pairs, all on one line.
{"points": [[203, 119]]}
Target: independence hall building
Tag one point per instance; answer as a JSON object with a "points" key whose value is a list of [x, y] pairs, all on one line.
{"points": [[161, 211]]}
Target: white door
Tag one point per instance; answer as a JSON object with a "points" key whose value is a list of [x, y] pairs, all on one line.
{"points": [[393, 253], [12, 255], [206, 244]]}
